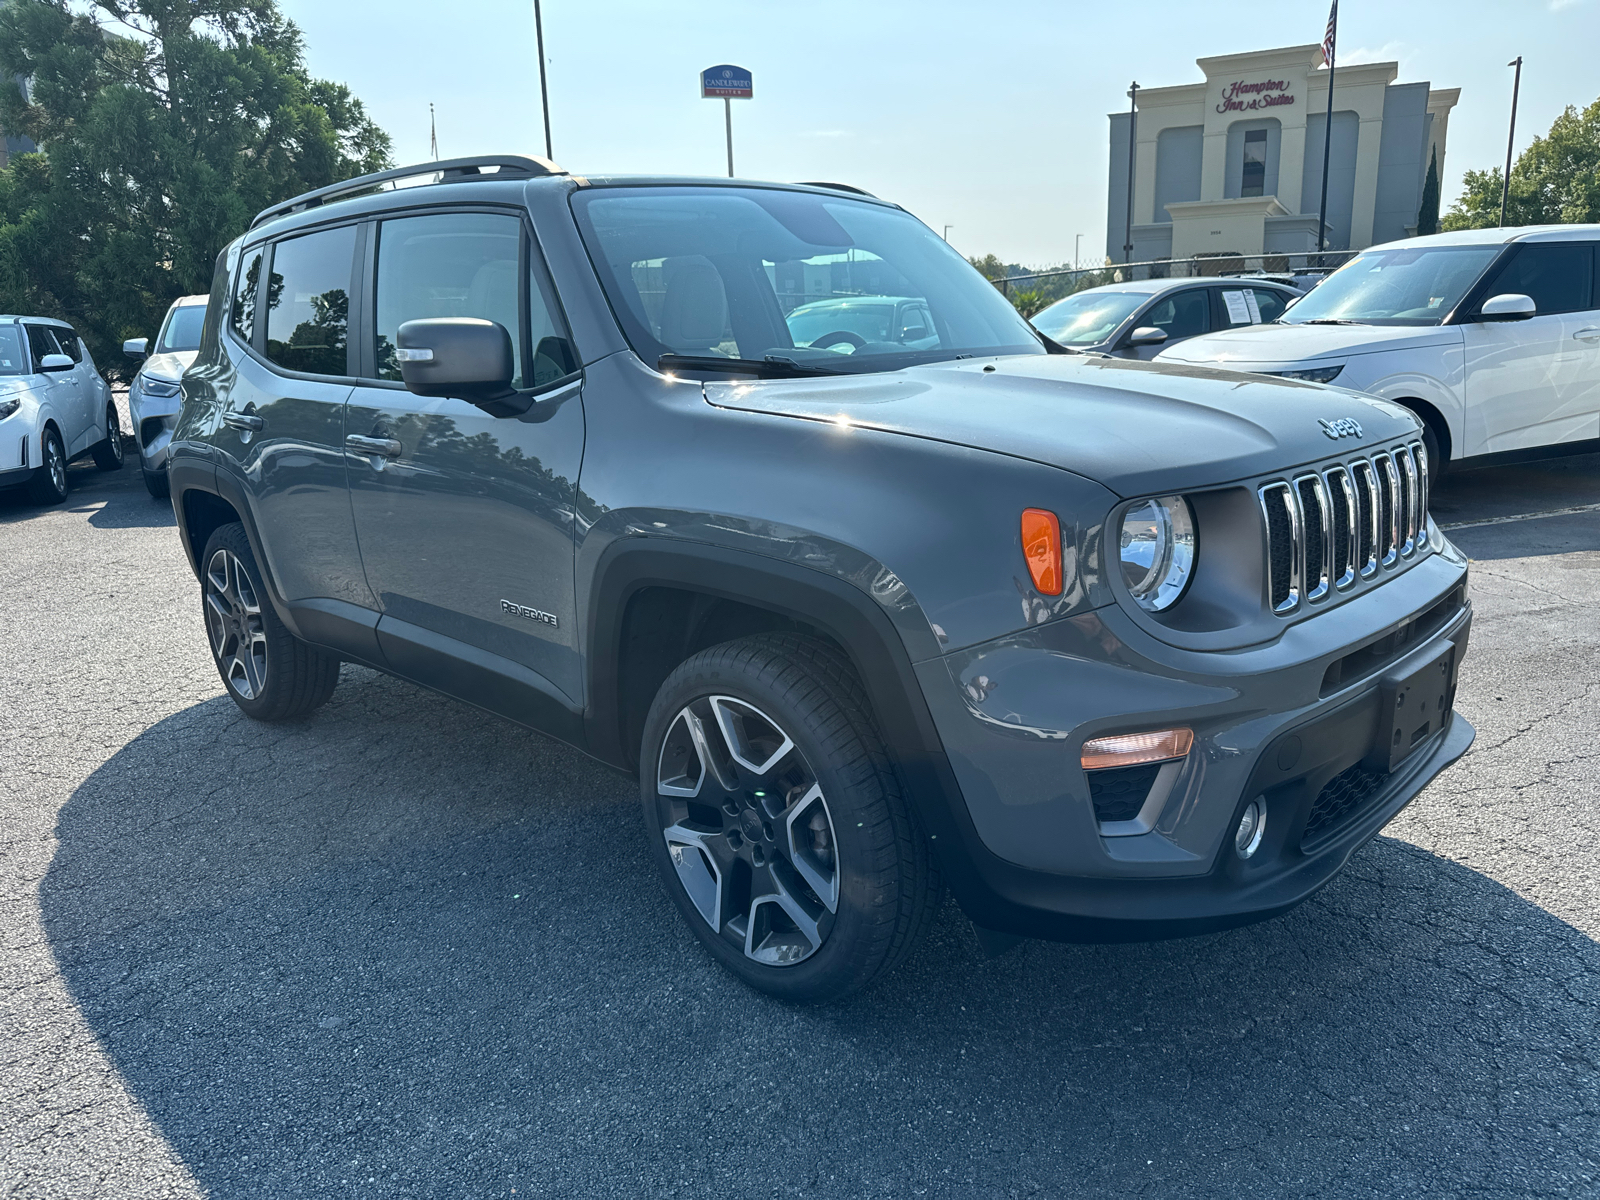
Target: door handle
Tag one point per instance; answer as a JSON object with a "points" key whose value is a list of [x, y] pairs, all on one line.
{"points": [[377, 447], [1588, 335], [246, 421]]}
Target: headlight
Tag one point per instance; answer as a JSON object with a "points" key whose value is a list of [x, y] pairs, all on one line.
{"points": [[1310, 374], [9, 406], [1157, 549], [163, 389]]}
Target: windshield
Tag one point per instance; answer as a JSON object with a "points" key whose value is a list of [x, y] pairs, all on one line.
{"points": [[1395, 287], [13, 359], [763, 274], [181, 331], [1087, 317]]}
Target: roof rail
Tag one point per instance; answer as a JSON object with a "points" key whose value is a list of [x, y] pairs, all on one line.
{"points": [[508, 166], [837, 187]]}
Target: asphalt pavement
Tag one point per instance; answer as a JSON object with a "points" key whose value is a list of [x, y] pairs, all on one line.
{"points": [[406, 949]]}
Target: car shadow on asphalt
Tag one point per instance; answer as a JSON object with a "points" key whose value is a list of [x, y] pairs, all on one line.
{"points": [[402, 945]]}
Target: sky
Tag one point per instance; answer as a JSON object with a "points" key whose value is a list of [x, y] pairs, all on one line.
{"points": [[989, 118]]}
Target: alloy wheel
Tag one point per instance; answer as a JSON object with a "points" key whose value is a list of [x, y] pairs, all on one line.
{"points": [[114, 434], [233, 620], [748, 830], [55, 462]]}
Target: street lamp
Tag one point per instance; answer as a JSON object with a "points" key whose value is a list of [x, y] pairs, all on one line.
{"points": [[1077, 245], [946, 234]]}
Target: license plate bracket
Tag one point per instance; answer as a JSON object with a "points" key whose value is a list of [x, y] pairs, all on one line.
{"points": [[1413, 707]]}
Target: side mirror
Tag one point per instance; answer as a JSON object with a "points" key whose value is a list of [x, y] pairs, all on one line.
{"points": [[468, 358], [1512, 306], [56, 362], [137, 349], [1147, 335]]}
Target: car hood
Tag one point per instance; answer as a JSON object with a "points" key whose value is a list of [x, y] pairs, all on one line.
{"points": [[1135, 427], [1305, 343], [170, 365]]}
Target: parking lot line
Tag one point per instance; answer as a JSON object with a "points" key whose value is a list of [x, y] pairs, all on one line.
{"points": [[1554, 512]]}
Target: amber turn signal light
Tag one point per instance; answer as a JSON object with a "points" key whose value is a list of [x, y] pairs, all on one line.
{"points": [[1132, 749], [1041, 546]]}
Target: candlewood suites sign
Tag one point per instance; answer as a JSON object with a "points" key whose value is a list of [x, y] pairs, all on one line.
{"points": [[1240, 96]]}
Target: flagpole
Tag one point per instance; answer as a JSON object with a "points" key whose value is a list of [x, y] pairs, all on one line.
{"points": [[1327, 132]]}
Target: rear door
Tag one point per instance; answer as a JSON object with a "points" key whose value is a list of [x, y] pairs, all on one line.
{"points": [[1536, 382], [89, 391], [466, 520]]}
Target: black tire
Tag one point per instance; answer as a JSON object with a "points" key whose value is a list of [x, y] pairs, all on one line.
{"points": [[108, 451], [1430, 443], [49, 482], [157, 484], [858, 842], [271, 674]]}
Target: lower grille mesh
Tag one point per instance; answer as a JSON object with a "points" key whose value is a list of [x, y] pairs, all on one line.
{"points": [[1341, 799], [1120, 792]]}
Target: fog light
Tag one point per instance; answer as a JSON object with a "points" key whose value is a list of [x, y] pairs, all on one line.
{"points": [[1247, 838]]}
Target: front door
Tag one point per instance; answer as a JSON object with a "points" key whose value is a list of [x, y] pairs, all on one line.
{"points": [[1536, 382], [58, 391], [1180, 315], [466, 521]]}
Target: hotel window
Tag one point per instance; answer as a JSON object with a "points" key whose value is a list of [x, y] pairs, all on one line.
{"points": [[1254, 181]]}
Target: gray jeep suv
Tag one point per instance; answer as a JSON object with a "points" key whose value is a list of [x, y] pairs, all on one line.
{"points": [[1111, 649]]}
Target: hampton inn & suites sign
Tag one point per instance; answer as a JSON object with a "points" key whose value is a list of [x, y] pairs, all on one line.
{"points": [[1240, 96]]}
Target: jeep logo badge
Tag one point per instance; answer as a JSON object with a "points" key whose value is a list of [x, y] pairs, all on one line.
{"points": [[522, 610], [1343, 427]]}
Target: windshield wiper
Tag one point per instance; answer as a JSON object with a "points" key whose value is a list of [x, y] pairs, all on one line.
{"points": [[1328, 321], [773, 366]]}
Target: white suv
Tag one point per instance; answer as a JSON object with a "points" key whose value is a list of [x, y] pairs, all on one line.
{"points": [[153, 397], [1491, 336], [54, 407]]}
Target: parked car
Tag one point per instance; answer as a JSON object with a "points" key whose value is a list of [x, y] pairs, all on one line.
{"points": [[1135, 320], [153, 396], [1491, 336], [850, 323], [54, 408], [1112, 649]]}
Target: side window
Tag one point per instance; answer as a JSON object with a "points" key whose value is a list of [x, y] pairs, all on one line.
{"points": [[1270, 303], [243, 315], [1558, 275], [40, 343], [69, 343], [1180, 315], [308, 301], [465, 264]]}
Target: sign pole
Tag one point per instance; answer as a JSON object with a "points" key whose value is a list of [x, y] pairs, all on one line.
{"points": [[726, 83], [727, 116]]}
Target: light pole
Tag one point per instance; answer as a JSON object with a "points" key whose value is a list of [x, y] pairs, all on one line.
{"points": [[1505, 180], [544, 93], [1077, 245], [1133, 145], [946, 234]]}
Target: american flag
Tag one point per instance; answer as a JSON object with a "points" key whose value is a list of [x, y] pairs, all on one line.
{"points": [[1331, 36]]}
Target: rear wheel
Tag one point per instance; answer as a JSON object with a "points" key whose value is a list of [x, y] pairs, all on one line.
{"points": [[777, 822], [270, 673], [108, 452], [49, 482]]}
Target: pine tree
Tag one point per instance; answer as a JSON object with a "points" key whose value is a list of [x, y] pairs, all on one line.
{"points": [[163, 126], [1428, 214]]}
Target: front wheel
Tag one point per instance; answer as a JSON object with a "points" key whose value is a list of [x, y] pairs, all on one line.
{"points": [[777, 822], [49, 482], [157, 484], [271, 674]]}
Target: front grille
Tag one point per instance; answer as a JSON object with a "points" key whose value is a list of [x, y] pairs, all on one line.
{"points": [[1344, 796], [1328, 529], [1120, 792]]}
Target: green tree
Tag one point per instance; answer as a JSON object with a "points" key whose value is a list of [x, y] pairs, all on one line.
{"points": [[1428, 213], [163, 127], [1555, 181]]}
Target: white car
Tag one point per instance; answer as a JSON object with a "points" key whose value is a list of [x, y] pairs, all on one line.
{"points": [[1491, 336], [54, 407], [153, 397]]}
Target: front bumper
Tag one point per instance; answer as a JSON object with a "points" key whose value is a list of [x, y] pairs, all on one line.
{"points": [[154, 419], [1282, 723]]}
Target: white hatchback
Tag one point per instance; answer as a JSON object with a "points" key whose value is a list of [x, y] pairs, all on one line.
{"points": [[1491, 336], [54, 407]]}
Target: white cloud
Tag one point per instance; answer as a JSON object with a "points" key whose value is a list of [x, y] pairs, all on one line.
{"points": [[1388, 52], [1558, 5]]}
